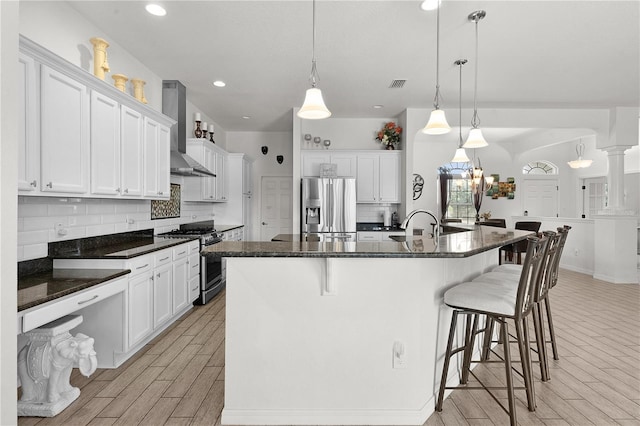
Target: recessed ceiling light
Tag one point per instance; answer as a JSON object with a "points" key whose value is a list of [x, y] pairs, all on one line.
{"points": [[246, 117], [219, 83], [155, 9], [378, 106]]}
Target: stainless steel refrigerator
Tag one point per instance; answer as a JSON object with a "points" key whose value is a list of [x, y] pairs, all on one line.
{"points": [[329, 208]]}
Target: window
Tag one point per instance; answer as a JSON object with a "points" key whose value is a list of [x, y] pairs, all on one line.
{"points": [[540, 167], [460, 197]]}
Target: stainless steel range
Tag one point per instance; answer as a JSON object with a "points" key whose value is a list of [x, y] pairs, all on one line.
{"points": [[212, 279]]}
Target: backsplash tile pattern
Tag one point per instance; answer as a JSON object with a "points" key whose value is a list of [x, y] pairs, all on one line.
{"points": [[374, 212], [42, 220]]}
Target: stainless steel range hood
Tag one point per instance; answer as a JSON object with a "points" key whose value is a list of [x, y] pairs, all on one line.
{"points": [[174, 105]]}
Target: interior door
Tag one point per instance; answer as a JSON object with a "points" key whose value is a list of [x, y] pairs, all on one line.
{"points": [[275, 206], [541, 197]]}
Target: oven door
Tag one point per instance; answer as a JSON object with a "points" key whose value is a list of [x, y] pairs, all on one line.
{"points": [[211, 278]]}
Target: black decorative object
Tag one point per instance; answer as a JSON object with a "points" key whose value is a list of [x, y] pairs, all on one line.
{"points": [[280, 159], [418, 183], [265, 149]]}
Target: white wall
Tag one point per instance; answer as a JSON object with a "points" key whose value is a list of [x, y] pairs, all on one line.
{"points": [[279, 143], [8, 183], [346, 133]]}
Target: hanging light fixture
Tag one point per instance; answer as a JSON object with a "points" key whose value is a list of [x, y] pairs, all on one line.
{"points": [[579, 163], [437, 124], [475, 138], [461, 155], [313, 107], [430, 4]]}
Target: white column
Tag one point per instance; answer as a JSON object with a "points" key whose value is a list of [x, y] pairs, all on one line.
{"points": [[615, 258], [615, 178]]}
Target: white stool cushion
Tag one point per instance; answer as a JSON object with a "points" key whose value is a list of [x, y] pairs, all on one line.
{"points": [[511, 268], [504, 278], [483, 296]]}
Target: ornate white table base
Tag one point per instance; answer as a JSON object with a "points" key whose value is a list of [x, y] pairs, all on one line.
{"points": [[45, 364]]}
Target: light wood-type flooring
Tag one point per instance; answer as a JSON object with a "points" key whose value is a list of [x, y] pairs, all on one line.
{"points": [[178, 379]]}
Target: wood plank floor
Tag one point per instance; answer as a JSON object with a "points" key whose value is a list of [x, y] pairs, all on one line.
{"points": [[178, 379]]}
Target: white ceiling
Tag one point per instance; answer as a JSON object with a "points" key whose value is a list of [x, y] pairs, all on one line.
{"points": [[532, 54]]}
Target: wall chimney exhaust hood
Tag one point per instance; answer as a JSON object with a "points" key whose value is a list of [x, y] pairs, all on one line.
{"points": [[174, 105]]}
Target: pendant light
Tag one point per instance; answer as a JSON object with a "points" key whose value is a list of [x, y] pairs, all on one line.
{"points": [[579, 163], [437, 124], [461, 155], [313, 107], [475, 138]]}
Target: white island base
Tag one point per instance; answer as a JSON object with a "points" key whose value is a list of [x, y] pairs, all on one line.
{"points": [[338, 341]]}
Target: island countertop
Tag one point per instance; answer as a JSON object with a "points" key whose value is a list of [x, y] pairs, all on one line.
{"points": [[456, 245]]}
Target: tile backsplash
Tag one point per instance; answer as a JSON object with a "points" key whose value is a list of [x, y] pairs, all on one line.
{"points": [[374, 212], [42, 220]]}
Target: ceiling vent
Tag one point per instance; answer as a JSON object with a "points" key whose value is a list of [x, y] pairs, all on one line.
{"points": [[397, 84]]}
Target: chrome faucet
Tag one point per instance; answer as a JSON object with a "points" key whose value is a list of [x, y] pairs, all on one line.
{"points": [[436, 232]]}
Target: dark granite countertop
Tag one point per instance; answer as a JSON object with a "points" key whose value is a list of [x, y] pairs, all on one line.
{"points": [[377, 226], [123, 249], [224, 228], [43, 287], [459, 244]]}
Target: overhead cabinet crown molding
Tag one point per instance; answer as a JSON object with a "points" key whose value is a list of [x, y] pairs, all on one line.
{"points": [[82, 136]]}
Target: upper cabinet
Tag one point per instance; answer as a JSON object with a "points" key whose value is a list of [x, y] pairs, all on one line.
{"points": [[377, 173], [214, 159], [79, 135], [378, 178]]}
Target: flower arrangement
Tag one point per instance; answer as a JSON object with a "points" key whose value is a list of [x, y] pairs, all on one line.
{"points": [[486, 215], [390, 135]]}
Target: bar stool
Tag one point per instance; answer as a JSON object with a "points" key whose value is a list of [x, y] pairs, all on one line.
{"points": [[551, 280], [510, 280], [499, 303]]}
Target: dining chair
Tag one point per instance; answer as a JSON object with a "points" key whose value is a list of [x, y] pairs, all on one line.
{"points": [[520, 247]]}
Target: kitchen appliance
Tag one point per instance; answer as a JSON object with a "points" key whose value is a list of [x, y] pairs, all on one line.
{"points": [[174, 105], [329, 208], [212, 277]]}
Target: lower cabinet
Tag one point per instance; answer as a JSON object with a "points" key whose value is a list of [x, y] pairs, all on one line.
{"points": [[140, 307], [162, 297], [180, 273]]}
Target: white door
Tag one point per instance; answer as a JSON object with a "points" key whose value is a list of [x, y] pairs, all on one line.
{"points": [[275, 207], [540, 197], [594, 196]]}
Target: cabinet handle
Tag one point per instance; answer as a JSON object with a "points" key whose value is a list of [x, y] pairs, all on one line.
{"points": [[88, 300], [143, 266], [195, 288], [196, 265], [50, 185], [159, 192], [117, 189], [126, 190], [34, 183], [166, 258], [181, 253], [158, 275]]}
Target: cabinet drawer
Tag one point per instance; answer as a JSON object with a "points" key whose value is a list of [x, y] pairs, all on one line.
{"points": [[57, 309], [140, 264], [369, 236], [163, 257], [194, 247], [180, 251], [194, 265]]}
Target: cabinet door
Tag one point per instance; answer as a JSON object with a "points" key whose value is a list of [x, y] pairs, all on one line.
{"points": [[140, 307], [389, 180], [150, 154], [194, 288], [209, 183], [180, 284], [105, 145], [221, 181], [64, 133], [247, 184], [311, 163], [164, 160], [131, 152], [369, 236], [28, 149], [346, 164], [162, 295], [367, 178]]}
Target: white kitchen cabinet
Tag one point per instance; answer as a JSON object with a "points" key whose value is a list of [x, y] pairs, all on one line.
{"points": [[180, 276], [194, 271], [28, 146], [156, 182], [140, 307], [162, 297], [247, 176], [345, 163], [64, 133], [131, 163], [214, 159], [378, 178], [221, 177], [369, 236], [105, 145]]}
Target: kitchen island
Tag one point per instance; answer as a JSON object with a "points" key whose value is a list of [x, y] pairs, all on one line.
{"points": [[343, 332]]}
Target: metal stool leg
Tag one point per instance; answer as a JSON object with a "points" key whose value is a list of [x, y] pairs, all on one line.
{"points": [[525, 359], [507, 364], [488, 338], [552, 332], [447, 359], [540, 341], [469, 344]]}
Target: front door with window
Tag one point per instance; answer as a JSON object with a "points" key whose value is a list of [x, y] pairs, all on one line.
{"points": [[541, 197]]}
